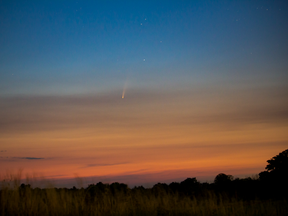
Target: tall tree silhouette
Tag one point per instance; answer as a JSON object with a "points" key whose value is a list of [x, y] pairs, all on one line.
{"points": [[277, 168], [275, 178], [279, 163]]}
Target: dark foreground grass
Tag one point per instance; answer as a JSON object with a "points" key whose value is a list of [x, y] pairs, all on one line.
{"points": [[15, 200]]}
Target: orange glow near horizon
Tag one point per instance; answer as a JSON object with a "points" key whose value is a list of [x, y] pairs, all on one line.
{"points": [[193, 135]]}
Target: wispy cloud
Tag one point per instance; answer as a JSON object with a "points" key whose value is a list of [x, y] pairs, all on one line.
{"points": [[189, 106], [22, 158], [105, 164], [30, 158], [54, 176]]}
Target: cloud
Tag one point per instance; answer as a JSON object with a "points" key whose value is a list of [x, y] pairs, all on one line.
{"points": [[145, 108], [43, 113], [54, 176], [30, 158], [22, 158], [104, 164]]}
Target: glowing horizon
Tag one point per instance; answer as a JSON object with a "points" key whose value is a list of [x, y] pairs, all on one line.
{"points": [[90, 136], [207, 88]]}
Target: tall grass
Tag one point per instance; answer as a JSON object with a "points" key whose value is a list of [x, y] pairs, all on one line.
{"points": [[24, 200]]}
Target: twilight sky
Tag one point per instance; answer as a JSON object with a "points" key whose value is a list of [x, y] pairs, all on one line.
{"points": [[142, 92]]}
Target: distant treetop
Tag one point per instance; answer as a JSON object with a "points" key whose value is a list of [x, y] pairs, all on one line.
{"points": [[278, 163]]}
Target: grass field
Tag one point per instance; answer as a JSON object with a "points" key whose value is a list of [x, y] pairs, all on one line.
{"points": [[24, 200]]}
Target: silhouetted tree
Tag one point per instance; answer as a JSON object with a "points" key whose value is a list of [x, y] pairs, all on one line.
{"points": [[175, 186], [246, 188], [277, 168], [279, 163], [97, 190], [275, 178], [189, 181], [222, 179], [265, 176], [190, 186], [160, 189], [117, 188], [223, 183]]}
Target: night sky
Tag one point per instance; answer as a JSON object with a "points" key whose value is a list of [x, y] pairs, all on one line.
{"points": [[142, 92]]}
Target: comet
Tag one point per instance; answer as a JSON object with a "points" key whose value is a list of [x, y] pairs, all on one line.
{"points": [[123, 94], [124, 90]]}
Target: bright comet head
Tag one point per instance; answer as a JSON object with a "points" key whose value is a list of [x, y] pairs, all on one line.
{"points": [[124, 89]]}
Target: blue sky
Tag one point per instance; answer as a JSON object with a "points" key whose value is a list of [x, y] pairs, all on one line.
{"points": [[70, 47]]}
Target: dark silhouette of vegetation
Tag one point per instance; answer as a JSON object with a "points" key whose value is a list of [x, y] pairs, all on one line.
{"points": [[223, 179], [277, 167], [266, 195], [275, 178], [279, 163]]}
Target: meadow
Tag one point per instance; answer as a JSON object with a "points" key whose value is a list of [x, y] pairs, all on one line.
{"points": [[189, 197]]}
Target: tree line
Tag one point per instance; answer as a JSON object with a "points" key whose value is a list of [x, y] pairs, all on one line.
{"points": [[269, 184]]}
